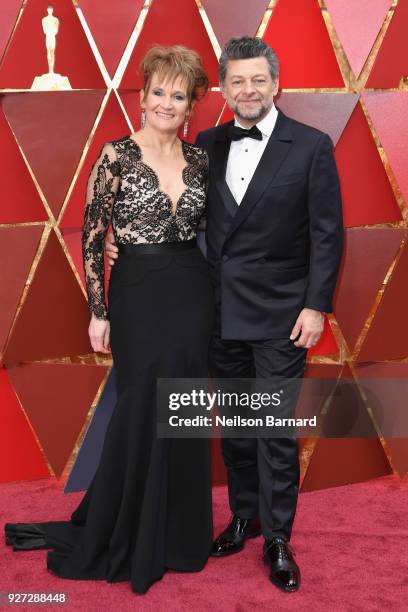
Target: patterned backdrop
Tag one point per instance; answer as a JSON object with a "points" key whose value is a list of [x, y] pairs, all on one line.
{"points": [[344, 67]]}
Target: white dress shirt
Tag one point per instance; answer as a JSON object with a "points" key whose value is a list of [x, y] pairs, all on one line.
{"points": [[244, 156]]}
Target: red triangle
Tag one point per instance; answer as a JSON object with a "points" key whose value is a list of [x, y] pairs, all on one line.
{"points": [[297, 33], [367, 256], [111, 29], [111, 126], [389, 111], [57, 398], [20, 455], [172, 22], [340, 461], [26, 56], [53, 321], [18, 246], [367, 194], [9, 14], [391, 63], [392, 400], [387, 337], [16, 184], [52, 128]]}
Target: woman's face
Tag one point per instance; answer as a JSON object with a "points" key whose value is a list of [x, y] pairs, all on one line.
{"points": [[165, 103]]}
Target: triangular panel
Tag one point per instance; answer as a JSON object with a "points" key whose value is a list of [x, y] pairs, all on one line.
{"points": [[18, 246], [111, 27], [387, 337], [367, 256], [389, 112], [367, 195], [53, 321], [20, 199], [52, 129], [57, 398], [328, 112], [9, 12], [391, 63], [357, 25], [298, 34], [20, 455], [183, 26], [238, 18], [392, 401]]}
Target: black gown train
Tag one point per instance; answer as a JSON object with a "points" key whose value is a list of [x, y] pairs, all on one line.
{"points": [[148, 507]]}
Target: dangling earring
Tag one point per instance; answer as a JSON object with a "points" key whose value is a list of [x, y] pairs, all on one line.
{"points": [[143, 119], [185, 129]]}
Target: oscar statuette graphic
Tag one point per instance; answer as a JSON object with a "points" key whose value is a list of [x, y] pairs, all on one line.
{"points": [[50, 80]]}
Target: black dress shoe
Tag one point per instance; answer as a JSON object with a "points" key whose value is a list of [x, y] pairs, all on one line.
{"points": [[232, 539], [284, 571]]}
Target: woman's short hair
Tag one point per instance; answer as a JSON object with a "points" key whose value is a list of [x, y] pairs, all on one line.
{"points": [[173, 62]]}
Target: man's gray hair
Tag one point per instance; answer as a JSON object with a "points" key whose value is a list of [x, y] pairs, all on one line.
{"points": [[247, 47]]}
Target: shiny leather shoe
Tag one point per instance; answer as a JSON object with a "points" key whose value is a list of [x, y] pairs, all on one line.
{"points": [[284, 572], [233, 538]]}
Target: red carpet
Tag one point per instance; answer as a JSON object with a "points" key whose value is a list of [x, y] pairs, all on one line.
{"points": [[351, 543]]}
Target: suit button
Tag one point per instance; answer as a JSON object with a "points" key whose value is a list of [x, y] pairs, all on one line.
{"points": [[262, 260], [225, 258]]}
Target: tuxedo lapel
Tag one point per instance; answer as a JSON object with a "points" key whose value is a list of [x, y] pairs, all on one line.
{"points": [[221, 151], [279, 143]]}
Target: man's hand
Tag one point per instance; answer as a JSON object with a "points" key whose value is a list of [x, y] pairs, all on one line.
{"points": [[309, 325], [111, 249], [99, 330]]}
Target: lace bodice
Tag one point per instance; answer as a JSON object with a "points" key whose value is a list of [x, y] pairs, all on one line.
{"points": [[125, 191]]}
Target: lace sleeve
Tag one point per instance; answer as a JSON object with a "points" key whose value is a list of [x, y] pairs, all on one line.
{"points": [[102, 186], [206, 171]]}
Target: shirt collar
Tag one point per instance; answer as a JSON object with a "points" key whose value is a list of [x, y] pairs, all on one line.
{"points": [[266, 124]]}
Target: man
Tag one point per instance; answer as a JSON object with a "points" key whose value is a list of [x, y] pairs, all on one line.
{"points": [[274, 241]]}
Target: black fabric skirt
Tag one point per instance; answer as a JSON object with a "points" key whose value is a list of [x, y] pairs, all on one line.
{"points": [[148, 507]]}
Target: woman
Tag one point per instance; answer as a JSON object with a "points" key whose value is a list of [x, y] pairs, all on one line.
{"points": [[148, 507]]}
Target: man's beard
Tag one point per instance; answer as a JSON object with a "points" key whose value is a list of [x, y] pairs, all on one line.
{"points": [[252, 115]]}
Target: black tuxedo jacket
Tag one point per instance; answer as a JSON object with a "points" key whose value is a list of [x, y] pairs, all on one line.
{"points": [[279, 250]]}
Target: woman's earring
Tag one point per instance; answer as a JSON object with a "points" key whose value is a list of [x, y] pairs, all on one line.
{"points": [[143, 119], [185, 129]]}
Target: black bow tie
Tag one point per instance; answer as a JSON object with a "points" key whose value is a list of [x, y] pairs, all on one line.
{"points": [[236, 133]]}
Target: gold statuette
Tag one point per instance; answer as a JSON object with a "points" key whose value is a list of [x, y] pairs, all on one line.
{"points": [[51, 80]]}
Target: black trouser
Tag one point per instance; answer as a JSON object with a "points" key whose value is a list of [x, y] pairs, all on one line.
{"points": [[263, 473]]}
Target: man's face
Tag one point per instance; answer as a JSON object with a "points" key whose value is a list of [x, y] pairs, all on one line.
{"points": [[249, 89]]}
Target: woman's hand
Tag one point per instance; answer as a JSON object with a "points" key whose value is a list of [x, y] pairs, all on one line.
{"points": [[99, 330], [111, 250]]}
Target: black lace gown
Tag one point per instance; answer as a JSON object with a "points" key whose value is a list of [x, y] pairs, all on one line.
{"points": [[148, 507]]}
